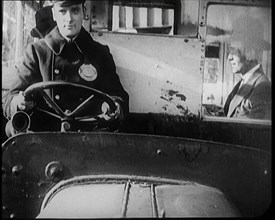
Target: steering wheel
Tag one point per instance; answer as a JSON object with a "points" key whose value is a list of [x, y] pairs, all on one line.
{"points": [[67, 117]]}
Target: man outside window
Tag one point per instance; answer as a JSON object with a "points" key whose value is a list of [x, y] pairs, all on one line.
{"points": [[251, 97]]}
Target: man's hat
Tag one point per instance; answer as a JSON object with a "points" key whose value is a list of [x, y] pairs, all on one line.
{"points": [[66, 3], [250, 32], [44, 22]]}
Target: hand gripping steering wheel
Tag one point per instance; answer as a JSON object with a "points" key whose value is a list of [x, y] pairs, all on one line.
{"points": [[67, 117]]}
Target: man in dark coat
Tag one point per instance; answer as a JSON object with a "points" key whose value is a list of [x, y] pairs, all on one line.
{"points": [[67, 53], [251, 96]]}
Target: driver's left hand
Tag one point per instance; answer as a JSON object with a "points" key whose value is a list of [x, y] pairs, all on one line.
{"points": [[105, 108]]}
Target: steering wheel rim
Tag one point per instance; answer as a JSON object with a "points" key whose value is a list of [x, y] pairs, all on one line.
{"points": [[40, 87]]}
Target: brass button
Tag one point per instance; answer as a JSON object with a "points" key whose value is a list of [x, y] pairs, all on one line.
{"points": [[56, 71], [57, 97]]}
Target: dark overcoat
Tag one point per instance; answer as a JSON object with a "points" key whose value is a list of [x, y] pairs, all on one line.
{"points": [[252, 100], [53, 58]]}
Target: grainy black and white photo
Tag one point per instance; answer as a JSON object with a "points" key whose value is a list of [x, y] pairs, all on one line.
{"points": [[136, 108]]}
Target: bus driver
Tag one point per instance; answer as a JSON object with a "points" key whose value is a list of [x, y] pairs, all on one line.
{"points": [[61, 55]]}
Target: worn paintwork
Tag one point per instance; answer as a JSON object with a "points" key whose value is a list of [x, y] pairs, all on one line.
{"points": [[160, 73], [242, 174], [133, 196], [255, 134], [163, 75]]}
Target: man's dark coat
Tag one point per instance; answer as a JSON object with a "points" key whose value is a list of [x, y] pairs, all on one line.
{"points": [[53, 58]]}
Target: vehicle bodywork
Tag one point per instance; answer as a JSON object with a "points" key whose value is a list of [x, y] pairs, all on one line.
{"points": [[185, 174], [170, 160], [164, 74]]}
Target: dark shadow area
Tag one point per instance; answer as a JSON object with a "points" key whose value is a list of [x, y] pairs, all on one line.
{"points": [[239, 133], [3, 124]]}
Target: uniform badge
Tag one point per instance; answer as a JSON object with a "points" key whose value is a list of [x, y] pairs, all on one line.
{"points": [[87, 72]]}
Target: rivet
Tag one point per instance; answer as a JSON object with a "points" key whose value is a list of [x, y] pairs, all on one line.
{"points": [[16, 169], [159, 152], [4, 207], [12, 215], [57, 97], [54, 171]]}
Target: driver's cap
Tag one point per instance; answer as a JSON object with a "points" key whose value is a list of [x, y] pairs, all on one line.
{"points": [[67, 3]]}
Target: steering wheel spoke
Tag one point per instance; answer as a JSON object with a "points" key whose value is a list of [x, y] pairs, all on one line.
{"points": [[53, 104], [87, 118], [81, 106], [71, 116], [49, 113]]}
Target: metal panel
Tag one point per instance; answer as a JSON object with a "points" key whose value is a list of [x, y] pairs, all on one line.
{"points": [[160, 73], [140, 204], [193, 201], [242, 174], [84, 201], [81, 198]]}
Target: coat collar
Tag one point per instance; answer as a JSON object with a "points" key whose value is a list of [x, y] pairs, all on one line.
{"points": [[56, 42], [247, 76], [244, 90]]}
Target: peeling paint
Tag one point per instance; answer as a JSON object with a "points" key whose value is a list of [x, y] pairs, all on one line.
{"points": [[164, 98], [172, 92], [175, 101], [181, 96], [168, 74], [180, 107]]}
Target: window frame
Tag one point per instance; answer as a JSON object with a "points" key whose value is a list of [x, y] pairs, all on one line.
{"points": [[203, 12], [177, 19]]}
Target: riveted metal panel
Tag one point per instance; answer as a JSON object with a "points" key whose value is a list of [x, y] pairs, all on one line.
{"points": [[243, 174], [81, 198], [160, 73]]}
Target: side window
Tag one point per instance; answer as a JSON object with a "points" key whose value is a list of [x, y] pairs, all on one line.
{"points": [[8, 33], [16, 17], [18, 20], [227, 25], [165, 17]]}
